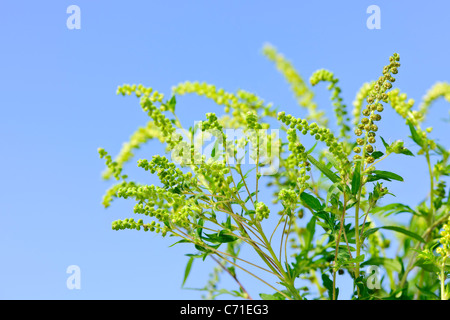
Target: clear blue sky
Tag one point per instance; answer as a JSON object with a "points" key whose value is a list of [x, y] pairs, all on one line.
{"points": [[58, 105]]}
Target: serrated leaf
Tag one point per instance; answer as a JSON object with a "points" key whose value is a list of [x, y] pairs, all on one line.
{"points": [[328, 284], [357, 259]]}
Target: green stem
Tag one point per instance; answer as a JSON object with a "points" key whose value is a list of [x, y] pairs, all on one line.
{"points": [[337, 248], [287, 280], [443, 297], [430, 170], [357, 237], [417, 247]]}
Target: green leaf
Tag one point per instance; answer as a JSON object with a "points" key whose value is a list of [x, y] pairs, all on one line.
{"points": [[356, 180], [311, 228], [224, 238], [221, 237], [171, 104], [187, 270], [311, 201], [327, 218], [385, 175], [407, 152], [377, 154], [328, 284], [332, 160], [312, 149], [241, 182], [396, 229], [389, 264], [428, 293], [357, 259], [334, 188], [393, 208], [199, 230], [181, 241], [265, 296], [414, 135], [216, 147], [327, 172], [385, 144]]}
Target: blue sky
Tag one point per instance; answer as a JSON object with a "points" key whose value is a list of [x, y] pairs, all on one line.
{"points": [[58, 105]]}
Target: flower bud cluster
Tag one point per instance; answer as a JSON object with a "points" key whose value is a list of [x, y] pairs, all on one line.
{"points": [[211, 123], [359, 101], [377, 94], [402, 105], [238, 104], [262, 211], [440, 89], [140, 91], [169, 175], [164, 124], [322, 134], [444, 251], [139, 137], [113, 166], [215, 171], [288, 197], [340, 109], [137, 225]]}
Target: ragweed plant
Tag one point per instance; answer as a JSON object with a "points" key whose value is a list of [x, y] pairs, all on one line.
{"points": [[330, 203]]}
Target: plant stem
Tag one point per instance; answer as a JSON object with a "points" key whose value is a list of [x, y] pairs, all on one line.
{"points": [[234, 277], [430, 170], [443, 297], [357, 237], [337, 248], [425, 236], [287, 280]]}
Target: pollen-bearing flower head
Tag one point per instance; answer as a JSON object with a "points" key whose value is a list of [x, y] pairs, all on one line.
{"points": [[288, 197], [372, 113], [444, 251], [262, 211]]}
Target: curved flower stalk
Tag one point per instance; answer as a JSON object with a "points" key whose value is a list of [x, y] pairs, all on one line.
{"points": [[359, 101], [340, 109], [236, 106], [439, 89], [301, 91]]}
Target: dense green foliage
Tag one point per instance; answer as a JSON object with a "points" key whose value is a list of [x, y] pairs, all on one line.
{"points": [[328, 193]]}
